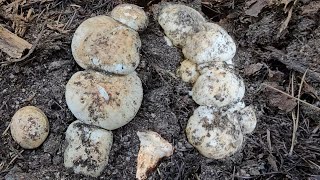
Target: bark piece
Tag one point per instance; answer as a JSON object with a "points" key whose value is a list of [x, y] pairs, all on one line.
{"points": [[11, 44]]}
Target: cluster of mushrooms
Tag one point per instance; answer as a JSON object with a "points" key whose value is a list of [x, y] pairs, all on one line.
{"points": [[216, 128], [108, 93]]}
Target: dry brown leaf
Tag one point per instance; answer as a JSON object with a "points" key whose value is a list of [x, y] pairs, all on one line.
{"points": [[256, 6], [252, 69], [312, 8]]}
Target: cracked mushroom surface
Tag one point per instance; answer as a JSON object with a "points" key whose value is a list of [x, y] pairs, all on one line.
{"points": [[105, 44], [88, 148], [188, 71], [212, 43], [179, 21], [107, 101], [152, 149], [29, 127], [218, 86], [131, 15], [213, 133]]}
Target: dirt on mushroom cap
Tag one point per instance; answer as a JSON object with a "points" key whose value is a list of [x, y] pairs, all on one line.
{"points": [[107, 101], [29, 127], [105, 44]]}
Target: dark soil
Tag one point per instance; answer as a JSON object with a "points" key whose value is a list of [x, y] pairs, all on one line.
{"points": [[40, 81]]}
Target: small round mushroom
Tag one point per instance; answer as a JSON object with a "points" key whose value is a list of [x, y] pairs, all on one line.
{"points": [[247, 119], [188, 71], [218, 87], [105, 44], [212, 43], [107, 101], [213, 133], [88, 148], [130, 15], [179, 21], [29, 127]]}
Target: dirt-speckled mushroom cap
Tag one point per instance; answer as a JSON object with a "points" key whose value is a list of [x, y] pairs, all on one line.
{"points": [[103, 43], [29, 127], [107, 101], [212, 43], [214, 134], [131, 15], [218, 86], [179, 21], [88, 148], [247, 119], [188, 71]]}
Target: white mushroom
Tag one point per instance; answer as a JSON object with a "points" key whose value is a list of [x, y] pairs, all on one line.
{"points": [[212, 43], [88, 148], [215, 134], [107, 101], [29, 127], [247, 120], [152, 148], [179, 21], [218, 87], [188, 71], [130, 15], [103, 43]]}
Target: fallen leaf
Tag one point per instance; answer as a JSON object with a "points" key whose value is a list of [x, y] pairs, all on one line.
{"points": [[256, 7], [312, 8], [282, 101], [253, 68]]}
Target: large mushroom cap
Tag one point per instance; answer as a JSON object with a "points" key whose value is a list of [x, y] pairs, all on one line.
{"points": [[179, 21], [29, 127], [212, 43], [103, 43], [130, 15], [88, 148], [218, 87], [188, 71], [215, 134], [107, 101]]}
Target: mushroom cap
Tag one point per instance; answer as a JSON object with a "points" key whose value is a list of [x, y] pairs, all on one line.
{"points": [[248, 120], [88, 148], [29, 127], [107, 101], [152, 148], [218, 86], [131, 15], [179, 21], [211, 43], [105, 44], [214, 134], [188, 71]]}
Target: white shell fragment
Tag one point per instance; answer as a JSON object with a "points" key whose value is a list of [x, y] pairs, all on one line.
{"points": [[215, 134], [152, 148], [29, 127], [212, 43], [131, 15], [247, 120], [188, 71], [179, 22], [88, 148], [105, 44], [218, 87], [107, 101]]}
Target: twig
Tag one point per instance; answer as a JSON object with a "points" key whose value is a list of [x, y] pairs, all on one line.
{"points": [[13, 159], [5, 131], [304, 102], [32, 48], [295, 127]]}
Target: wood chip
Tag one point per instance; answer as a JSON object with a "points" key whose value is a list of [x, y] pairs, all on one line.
{"points": [[12, 44]]}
